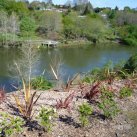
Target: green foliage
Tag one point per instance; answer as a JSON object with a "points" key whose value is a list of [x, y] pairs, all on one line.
{"points": [[50, 24], [107, 104], [130, 41], [87, 79], [105, 73], [12, 6], [45, 116], [78, 27], [27, 27], [112, 14], [129, 34], [10, 124], [88, 9], [125, 92], [40, 83], [131, 64], [85, 111]]}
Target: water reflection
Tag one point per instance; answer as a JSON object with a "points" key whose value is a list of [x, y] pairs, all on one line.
{"points": [[73, 60]]}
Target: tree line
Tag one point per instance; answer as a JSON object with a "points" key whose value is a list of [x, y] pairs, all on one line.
{"points": [[21, 20]]}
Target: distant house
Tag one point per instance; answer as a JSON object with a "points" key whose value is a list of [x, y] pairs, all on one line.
{"points": [[103, 15]]}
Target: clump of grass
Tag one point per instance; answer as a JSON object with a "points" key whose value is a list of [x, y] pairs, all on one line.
{"points": [[40, 83], [125, 92]]}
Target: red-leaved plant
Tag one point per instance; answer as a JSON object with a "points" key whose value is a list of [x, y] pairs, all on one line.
{"points": [[91, 91], [65, 104], [2, 95]]}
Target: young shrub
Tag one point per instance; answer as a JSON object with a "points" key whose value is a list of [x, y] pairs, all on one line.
{"points": [[10, 125], [26, 107], [66, 104], [2, 95], [125, 92], [85, 111], [92, 91], [45, 116], [131, 64], [107, 104], [40, 83]]}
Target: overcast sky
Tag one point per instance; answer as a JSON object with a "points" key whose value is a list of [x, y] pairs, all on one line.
{"points": [[106, 3]]}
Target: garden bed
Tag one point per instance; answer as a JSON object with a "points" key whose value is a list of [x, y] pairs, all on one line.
{"points": [[67, 124]]}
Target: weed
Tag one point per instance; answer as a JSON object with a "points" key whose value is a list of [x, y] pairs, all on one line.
{"points": [[88, 79], [125, 92], [10, 125], [85, 111], [107, 104], [45, 116]]}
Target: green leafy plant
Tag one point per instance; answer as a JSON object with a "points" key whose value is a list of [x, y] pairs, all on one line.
{"points": [[131, 64], [107, 104], [87, 79], [10, 124], [40, 83], [125, 92], [106, 73], [45, 116], [85, 111]]}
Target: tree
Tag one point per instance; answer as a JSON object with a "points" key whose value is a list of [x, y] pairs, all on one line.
{"points": [[13, 25], [27, 27], [111, 14], [35, 5], [3, 26], [12, 6], [127, 8], [116, 8], [88, 9], [51, 23]]}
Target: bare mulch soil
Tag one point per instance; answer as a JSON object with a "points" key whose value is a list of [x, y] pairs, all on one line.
{"points": [[67, 123]]}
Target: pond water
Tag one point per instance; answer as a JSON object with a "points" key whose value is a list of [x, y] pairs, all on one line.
{"points": [[72, 60]]}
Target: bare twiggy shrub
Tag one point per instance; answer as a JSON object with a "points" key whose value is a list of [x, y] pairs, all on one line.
{"points": [[24, 68]]}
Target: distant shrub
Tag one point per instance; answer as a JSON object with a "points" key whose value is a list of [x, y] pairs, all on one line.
{"points": [[40, 83], [125, 92], [130, 41], [85, 111], [131, 64]]}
